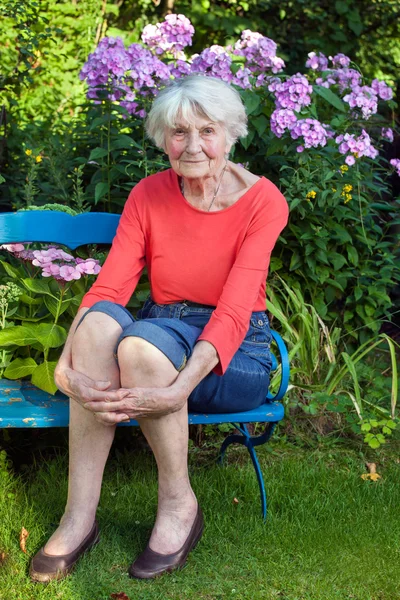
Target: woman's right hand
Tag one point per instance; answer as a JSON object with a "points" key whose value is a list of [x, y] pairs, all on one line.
{"points": [[83, 389]]}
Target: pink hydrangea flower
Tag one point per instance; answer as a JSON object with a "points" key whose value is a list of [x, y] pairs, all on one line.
{"points": [[13, 247], [90, 266], [69, 273]]}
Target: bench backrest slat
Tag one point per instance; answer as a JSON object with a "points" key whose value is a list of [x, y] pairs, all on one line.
{"points": [[58, 227]]}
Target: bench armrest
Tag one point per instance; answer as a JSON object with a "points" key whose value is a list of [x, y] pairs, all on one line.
{"points": [[285, 368]]}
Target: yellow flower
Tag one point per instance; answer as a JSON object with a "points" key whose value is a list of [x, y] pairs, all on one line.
{"points": [[38, 159], [28, 152], [370, 476], [347, 199], [355, 154], [347, 188], [311, 194], [344, 168], [334, 189]]}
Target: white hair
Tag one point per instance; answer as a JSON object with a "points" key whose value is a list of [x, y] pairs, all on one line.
{"points": [[194, 96]]}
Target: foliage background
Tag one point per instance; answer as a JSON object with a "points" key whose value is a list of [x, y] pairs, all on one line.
{"points": [[348, 273]]}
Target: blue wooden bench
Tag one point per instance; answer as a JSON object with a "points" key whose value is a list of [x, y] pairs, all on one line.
{"points": [[24, 405]]}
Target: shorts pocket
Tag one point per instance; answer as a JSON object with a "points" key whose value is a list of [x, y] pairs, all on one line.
{"points": [[259, 331]]}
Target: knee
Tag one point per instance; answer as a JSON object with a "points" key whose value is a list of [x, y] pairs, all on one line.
{"points": [[133, 349]]}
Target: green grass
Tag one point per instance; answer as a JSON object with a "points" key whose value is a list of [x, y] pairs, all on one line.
{"points": [[330, 535]]}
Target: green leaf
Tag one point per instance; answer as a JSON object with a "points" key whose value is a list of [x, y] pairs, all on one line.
{"points": [[21, 335], [20, 367], [260, 123], [28, 300], [352, 255], [331, 97], [97, 153], [43, 377], [12, 271], [101, 190], [295, 262], [37, 286], [122, 141], [50, 335], [341, 7], [338, 260], [248, 139], [53, 305], [251, 101]]}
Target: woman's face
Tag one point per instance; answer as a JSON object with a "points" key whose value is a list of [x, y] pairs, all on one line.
{"points": [[198, 149]]}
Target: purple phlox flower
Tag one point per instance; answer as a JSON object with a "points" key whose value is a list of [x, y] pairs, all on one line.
{"points": [[180, 68], [344, 78], [106, 64], [340, 60], [293, 93], [395, 162], [259, 52], [282, 119], [382, 89], [13, 247], [350, 160], [313, 132], [172, 35], [241, 78], [300, 149], [90, 266], [357, 146], [364, 98], [317, 62], [387, 133], [214, 61]]}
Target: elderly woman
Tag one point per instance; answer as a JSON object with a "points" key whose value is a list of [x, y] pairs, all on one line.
{"points": [[205, 229]]}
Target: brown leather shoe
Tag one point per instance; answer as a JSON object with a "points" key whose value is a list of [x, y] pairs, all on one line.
{"points": [[151, 564], [47, 567]]}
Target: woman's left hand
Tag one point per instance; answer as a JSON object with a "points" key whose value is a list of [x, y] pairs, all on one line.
{"points": [[138, 404]]}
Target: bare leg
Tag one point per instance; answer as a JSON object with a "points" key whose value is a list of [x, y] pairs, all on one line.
{"points": [[89, 440], [168, 438]]}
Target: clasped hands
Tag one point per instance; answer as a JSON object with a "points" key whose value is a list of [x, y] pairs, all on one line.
{"points": [[115, 406]]}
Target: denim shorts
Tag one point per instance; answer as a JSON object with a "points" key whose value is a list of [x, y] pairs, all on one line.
{"points": [[174, 329]]}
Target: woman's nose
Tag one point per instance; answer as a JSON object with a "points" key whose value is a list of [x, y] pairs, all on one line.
{"points": [[193, 145]]}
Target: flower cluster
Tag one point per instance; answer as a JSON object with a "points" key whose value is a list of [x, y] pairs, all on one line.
{"points": [[294, 93], [313, 132], [311, 195], [346, 193], [259, 52], [317, 62], [124, 73], [365, 98], [281, 120], [54, 262], [355, 147], [214, 61], [9, 293], [395, 162], [172, 35]]}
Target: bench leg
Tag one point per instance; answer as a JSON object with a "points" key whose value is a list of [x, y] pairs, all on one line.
{"points": [[250, 442]]}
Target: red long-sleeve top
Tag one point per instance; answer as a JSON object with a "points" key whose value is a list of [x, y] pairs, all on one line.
{"points": [[219, 258]]}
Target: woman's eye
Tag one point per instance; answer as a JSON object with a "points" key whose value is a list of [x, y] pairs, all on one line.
{"points": [[209, 130], [179, 132]]}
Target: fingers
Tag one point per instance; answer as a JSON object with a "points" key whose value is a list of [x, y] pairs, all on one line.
{"points": [[93, 395], [111, 418], [101, 385], [105, 407]]}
